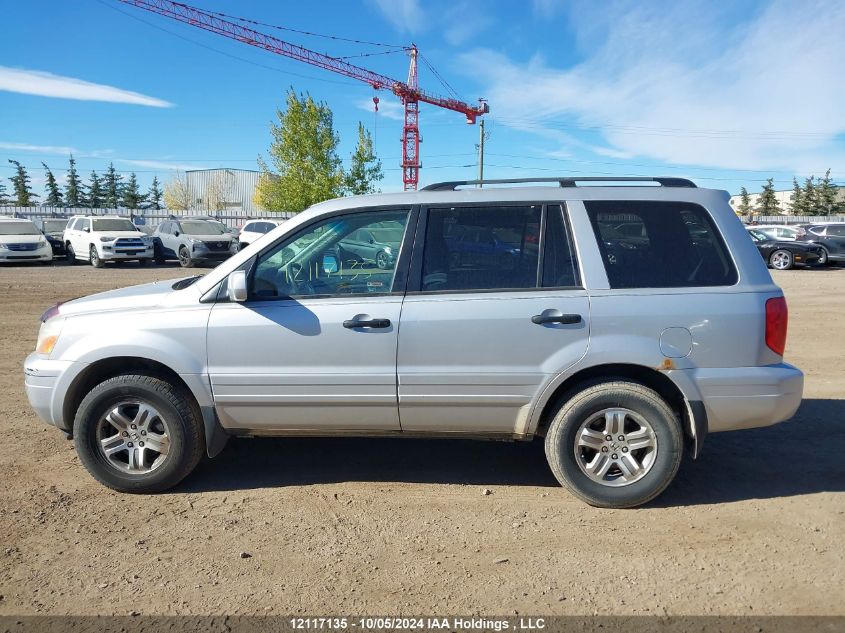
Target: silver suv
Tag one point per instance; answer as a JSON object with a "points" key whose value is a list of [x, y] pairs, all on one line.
{"points": [[620, 323]]}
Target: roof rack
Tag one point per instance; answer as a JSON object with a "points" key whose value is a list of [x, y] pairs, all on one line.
{"points": [[563, 181]]}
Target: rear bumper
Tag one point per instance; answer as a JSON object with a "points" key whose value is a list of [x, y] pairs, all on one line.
{"points": [[748, 397]]}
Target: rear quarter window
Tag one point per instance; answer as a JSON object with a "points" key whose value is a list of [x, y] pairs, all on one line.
{"points": [[658, 244]]}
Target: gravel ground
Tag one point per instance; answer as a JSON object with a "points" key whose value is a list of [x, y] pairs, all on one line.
{"points": [[355, 526]]}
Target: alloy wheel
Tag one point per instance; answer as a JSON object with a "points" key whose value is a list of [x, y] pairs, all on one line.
{"points": [[133, 437], [615, 447], [781, 260]]}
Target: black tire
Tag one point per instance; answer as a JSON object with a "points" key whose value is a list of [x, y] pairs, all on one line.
{"points": [[187, 442], [824, 258], [143, 262], [94, 258], [382, 260], [562, 437], [784, 256], [70, 254], [185, 260]]}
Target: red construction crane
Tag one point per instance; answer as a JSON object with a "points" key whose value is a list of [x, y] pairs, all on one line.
{"points": [[409, 92]]}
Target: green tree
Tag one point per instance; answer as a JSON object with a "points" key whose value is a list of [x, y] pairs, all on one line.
{"points": [[111, 187], [132, 197], [303, 155], [768, 202], [54, 195], [798, 205], [155, 194], [744, 202], [4, 198], [811, 201], [74, 193], [826, 191], [365, 169], [95, 191], [20, 182]]}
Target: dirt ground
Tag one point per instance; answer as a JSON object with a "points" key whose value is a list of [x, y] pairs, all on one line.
{"points": [[355, 526]]}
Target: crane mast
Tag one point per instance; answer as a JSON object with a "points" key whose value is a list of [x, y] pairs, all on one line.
{"points": [[408, 92]]}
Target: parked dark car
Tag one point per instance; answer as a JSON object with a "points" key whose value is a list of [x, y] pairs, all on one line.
{"points": [[830, 238], [53, 229], [785, 255]]}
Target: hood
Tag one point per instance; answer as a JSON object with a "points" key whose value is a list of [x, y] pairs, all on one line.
{"points": [[143, 296], [117, 234], [225, 237], [21, 239]]}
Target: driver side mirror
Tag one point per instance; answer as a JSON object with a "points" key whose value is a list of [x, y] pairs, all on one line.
{"points": [[330, 263], [176, 233], [236, 289]]}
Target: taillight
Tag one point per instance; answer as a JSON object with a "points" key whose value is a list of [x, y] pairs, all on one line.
{"points": [[777, 316]]}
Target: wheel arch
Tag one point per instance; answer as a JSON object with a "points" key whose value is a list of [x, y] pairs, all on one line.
{"points": [[690, 413]]}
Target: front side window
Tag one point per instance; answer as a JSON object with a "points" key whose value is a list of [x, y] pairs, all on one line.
{"points": [[481, 248], [321, 261], [656, 244]]}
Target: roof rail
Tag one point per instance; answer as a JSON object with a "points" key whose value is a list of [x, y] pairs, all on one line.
{"points": [[566, 181]]}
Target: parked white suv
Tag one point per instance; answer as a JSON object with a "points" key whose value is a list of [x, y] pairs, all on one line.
{"points": [[622, 324], [254, 229], [101, 238], [21, 241]]}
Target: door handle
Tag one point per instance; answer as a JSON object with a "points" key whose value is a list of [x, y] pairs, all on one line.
{"points": [[374, 323], [566, 319]]}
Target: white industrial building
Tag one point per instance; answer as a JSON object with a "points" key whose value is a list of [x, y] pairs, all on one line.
{"points": [[783, 198], [223, 189]]}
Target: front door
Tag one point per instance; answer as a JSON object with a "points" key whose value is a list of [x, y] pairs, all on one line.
{"points": [[314, 346], [481, 336]]}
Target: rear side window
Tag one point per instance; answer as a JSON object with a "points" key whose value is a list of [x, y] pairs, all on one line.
{"points": [[481, 248], [559, 266], [838, 230], [651, 244]]}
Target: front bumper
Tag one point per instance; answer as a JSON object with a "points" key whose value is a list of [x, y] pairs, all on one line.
{"points": [[43, 254], [748, 397], [125, 253], [41, 380]]}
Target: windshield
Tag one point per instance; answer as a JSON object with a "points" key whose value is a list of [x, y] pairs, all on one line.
{"points": [[113, 224], [54, 226], [24, 227], [757, 236], [197, 227]]}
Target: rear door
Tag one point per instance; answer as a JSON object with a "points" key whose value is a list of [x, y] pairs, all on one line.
{"points": [[836, 239], [479, 337]]}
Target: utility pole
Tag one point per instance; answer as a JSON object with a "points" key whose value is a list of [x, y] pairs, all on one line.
{"points": [[480, 152]]}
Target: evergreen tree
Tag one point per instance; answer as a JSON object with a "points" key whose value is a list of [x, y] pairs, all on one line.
{"points": [[744, 202], [111, 187], [798, 206], [95, 191], [365, 169], [768, 202], [155, 194], [811, 203], [132, 197], [826, 193], [74, 194], [303, 152], [4, 198], [20, 181], [54, 196]]}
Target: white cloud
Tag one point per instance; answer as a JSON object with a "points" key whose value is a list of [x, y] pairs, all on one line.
{"points": [[388, 109], [45, 84], [41, 149], [672, 81], [405, 15], [463, 21]]}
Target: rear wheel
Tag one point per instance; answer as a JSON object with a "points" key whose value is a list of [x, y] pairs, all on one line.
{"points": [[94, 257], [824, 257], [138, 433], [781, 260], [185, 258], [143, 262], [616, 444]]}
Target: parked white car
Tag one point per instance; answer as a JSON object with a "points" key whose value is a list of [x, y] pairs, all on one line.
{"points": [[254, 229], [98, 239], [21, 241]]}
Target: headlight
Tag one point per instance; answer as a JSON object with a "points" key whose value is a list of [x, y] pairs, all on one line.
{"points": [[107, 239], [3, 245], [42, 243], [48, 335], [147, 240]]}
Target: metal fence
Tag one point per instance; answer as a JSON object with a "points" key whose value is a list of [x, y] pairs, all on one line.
{"points": [[229, 217], [793, 219]]}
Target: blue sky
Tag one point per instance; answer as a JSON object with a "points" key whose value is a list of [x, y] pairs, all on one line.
{"points": [[727, 95]]}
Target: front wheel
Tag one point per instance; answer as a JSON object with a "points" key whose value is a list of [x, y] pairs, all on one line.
{"points": [[138, 433], [616, 444], [185, 258], [94, 258], [382, 260], [781, 260]]}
